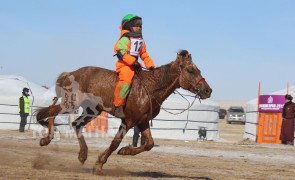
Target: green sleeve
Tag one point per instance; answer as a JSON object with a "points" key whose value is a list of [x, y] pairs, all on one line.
{"points": [[122, 45]]}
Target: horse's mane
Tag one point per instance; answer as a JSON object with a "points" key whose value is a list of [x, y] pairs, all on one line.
{"points": [[162, 73], [183, 53]]}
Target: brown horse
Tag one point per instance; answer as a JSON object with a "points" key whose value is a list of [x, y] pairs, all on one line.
{"points": [[92, 88]]}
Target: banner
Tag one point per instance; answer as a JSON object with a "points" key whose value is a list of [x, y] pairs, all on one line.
{"points": [[271, 103]]}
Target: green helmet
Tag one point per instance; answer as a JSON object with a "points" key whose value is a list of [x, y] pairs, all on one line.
{"points": [[128, 19]]}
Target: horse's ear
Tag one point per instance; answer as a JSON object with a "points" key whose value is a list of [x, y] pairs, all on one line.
{"points": [[184, 58], [179, 56], [179, 59], [183, 54], [189, 56]]}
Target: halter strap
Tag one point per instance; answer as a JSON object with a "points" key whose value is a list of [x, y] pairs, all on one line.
{"points": [[202, 79]]}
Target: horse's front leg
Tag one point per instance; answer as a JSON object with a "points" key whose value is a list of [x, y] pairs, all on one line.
{"points": [[102, 158], [46, 140], [78, 125], [53, 111], [149, 144], [83, 146]]}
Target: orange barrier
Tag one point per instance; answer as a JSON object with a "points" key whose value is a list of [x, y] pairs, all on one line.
{"points": [[99, 124], [269, 128]]}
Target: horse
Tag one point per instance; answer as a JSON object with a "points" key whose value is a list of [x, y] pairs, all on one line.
{"points": [[92, 88]]}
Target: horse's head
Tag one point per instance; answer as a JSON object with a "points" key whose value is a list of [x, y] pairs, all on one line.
{"points": [[190, 76]]}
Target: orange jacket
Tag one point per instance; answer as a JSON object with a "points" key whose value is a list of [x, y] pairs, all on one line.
{"points": [[123, 46]]}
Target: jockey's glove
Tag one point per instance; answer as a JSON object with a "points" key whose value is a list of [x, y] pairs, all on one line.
{"points": [[136, 65]]}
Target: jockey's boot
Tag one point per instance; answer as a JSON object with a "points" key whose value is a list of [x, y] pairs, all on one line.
{"points": [[142, 140], [135, 140], [119, 112]]}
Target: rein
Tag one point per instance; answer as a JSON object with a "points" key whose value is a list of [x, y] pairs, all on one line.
{"points": [[138, 72], [150, 95], [189, 105]]}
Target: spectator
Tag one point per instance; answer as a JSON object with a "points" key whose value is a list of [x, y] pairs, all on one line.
{"points": [[136, 136], [24, 109], [287, 129]]}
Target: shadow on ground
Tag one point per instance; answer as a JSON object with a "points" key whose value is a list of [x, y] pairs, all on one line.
{"points": [[149, 174]]}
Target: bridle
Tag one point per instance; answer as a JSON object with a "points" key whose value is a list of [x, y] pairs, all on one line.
{"points": [[198, 91]]}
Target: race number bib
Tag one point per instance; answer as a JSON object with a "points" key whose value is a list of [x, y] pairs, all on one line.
{"points": [[135, 46]]}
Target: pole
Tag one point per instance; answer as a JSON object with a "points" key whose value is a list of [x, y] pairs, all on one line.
{"points": [[258, 101], [258, 114], [32, 104]]}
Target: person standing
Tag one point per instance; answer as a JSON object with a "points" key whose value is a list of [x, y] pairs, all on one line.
{"points": [[24, 109], [136, 136], [287, 129], [129, 48]]}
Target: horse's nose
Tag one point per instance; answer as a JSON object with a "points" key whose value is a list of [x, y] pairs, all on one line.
{"points": [[208, 91]]}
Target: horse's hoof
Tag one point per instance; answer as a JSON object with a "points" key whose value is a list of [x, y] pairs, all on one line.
{"points": [[122, 151], [125, 151], [44, 141], [82, 157], [82, 160], [97, 169]]}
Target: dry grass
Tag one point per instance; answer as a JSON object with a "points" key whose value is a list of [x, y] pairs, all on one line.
{"points": [[232, 158]]}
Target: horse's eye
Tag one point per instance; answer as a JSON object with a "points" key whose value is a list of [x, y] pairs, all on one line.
{"points": [[191, 70]]}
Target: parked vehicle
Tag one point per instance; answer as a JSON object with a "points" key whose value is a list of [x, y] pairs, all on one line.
{"points": [[222, 113], [235, 114]]}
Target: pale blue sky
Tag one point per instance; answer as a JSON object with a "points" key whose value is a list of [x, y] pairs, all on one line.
{"points": [[235, 43]]}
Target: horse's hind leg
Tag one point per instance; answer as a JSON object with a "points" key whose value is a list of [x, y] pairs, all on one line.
{"points": [[78, 125], [53, 111], [102, 159], [149, 144]]}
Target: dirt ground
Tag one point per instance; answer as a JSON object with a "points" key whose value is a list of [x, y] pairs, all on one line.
{"points": [[231, 157]]}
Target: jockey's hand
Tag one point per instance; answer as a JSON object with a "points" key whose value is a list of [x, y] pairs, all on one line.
{"points": [[136, 65], [151, 68]]}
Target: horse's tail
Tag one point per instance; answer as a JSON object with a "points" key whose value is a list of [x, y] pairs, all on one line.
{"points": [[43, 113], [59, 83]]}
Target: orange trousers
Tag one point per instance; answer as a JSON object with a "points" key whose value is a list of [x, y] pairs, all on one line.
{"points": [[123, 87]]}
